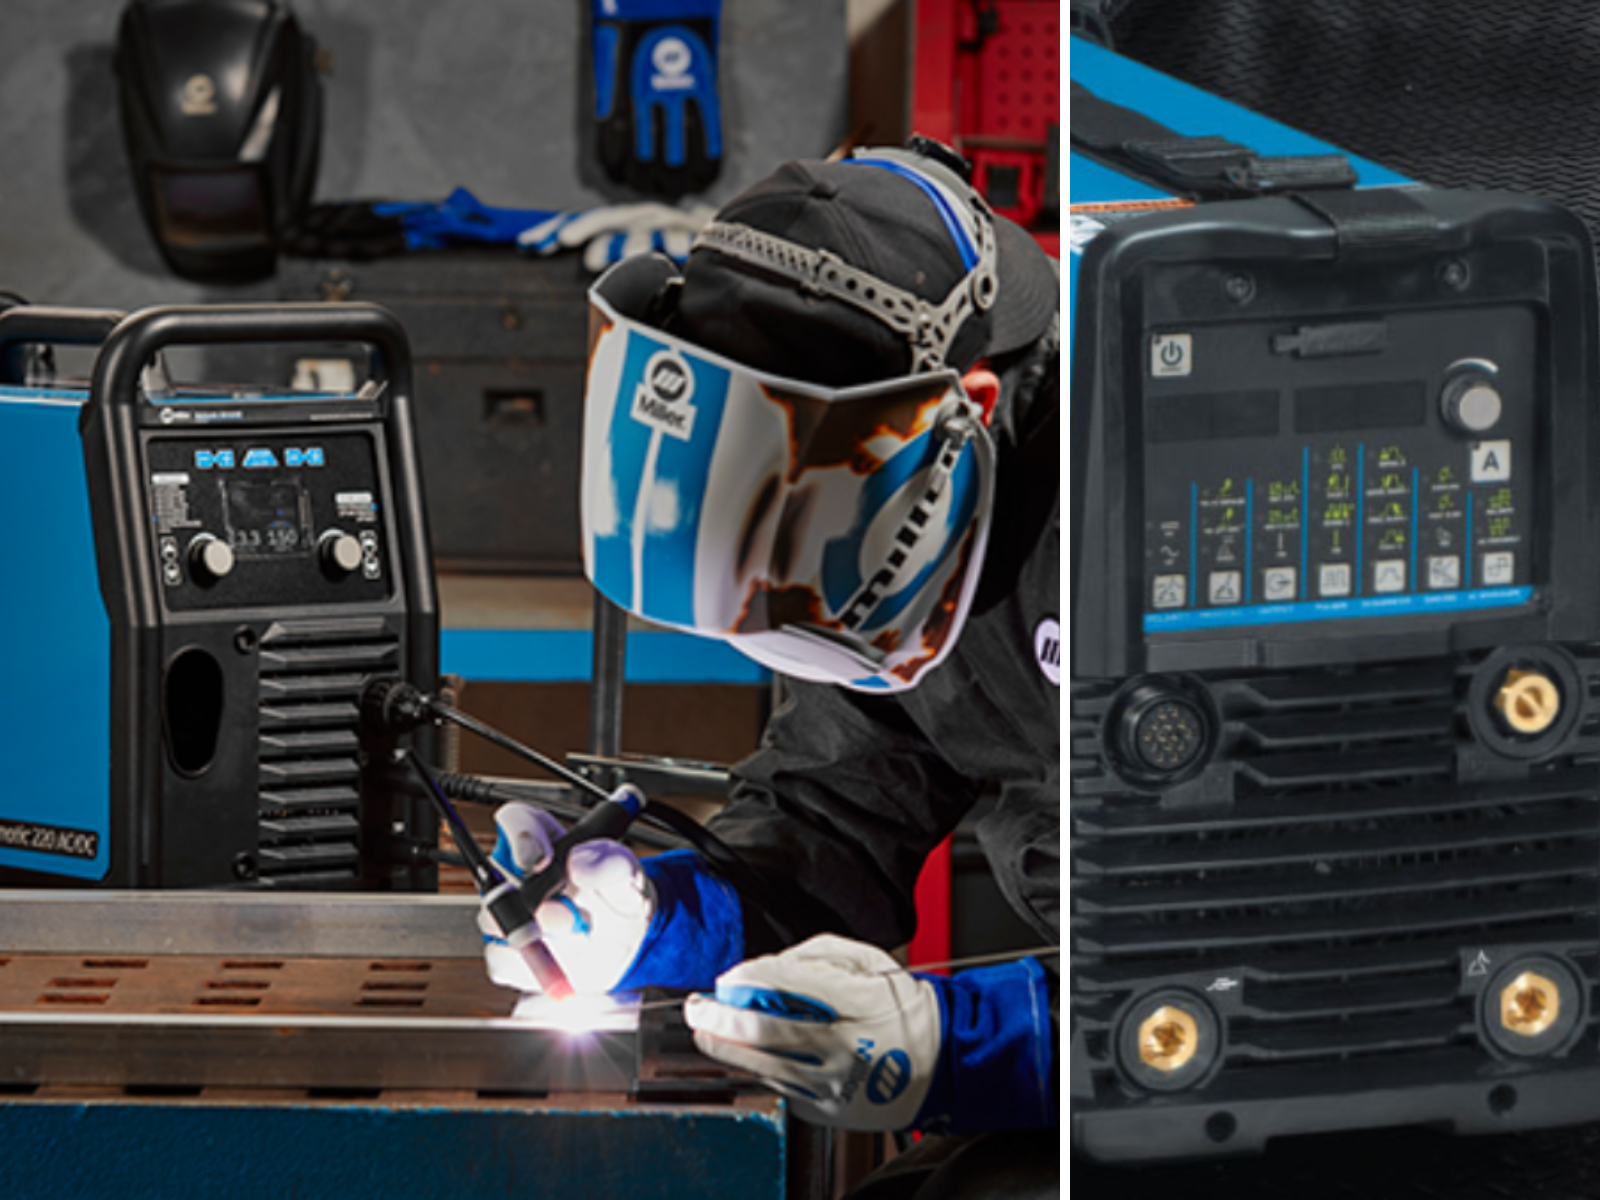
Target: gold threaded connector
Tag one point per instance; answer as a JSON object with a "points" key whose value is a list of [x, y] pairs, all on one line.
{"points": [[1530, 1004], [1169, 1038], [1528, 701]]}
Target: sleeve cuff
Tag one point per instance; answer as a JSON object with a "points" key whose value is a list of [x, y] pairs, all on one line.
{"points": [[998, 1060], [697, 930]]}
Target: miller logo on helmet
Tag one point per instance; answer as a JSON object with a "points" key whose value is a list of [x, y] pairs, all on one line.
{"points": [[661, 400]]}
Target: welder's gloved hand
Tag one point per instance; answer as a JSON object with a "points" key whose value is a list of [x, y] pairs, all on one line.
{"points": [[618, 924], [655, 89], [835, 1025], [857, 1042], [592, 926], [610, 234]]}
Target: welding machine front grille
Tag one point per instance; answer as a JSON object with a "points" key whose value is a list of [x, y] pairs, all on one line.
{"points": [[312, 673], [1333, 869]]}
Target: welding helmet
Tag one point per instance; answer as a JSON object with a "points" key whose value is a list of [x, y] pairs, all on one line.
{"points": [[831, 532], [221, 115]]}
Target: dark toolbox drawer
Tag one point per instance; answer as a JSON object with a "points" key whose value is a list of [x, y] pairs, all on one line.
{"points": [[498, 343]]}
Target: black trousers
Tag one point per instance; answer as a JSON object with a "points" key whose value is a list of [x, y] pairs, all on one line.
{"points": [[1013, 1164]]}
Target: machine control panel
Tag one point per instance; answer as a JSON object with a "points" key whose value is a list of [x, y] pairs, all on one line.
{"points": [[246, 518], [1397, 478]]}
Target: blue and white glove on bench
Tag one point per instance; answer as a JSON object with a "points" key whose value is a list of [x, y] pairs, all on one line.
{"points": [[857, 1042], [612, 233]]}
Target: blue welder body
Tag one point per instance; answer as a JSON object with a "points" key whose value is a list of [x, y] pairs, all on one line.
{"points": [[1335, 630], [202, 582], [55, 707]]}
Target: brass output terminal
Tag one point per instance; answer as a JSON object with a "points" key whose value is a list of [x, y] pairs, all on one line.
{"points": [[1530, 1004], [1169, 1038], [1528, 701]]}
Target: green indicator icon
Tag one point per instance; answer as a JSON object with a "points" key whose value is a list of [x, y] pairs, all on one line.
{"points": [[1338, 456]]}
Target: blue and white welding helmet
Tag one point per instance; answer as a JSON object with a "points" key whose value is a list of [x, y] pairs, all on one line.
{"points": [[831, 534]]}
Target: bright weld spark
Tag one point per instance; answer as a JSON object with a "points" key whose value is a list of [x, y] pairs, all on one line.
{"points": [[578, 1014]]}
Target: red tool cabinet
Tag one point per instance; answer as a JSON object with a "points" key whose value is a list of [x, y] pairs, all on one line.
{"points": [[987, 80]]}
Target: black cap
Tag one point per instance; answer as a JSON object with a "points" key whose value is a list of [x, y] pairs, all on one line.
{"points": [[882, 224]]}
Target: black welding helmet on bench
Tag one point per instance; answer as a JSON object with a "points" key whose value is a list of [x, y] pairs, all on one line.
{"points": [[221, 113]]}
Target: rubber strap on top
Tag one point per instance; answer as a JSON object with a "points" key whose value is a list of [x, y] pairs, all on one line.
{"points": [[1206, 168]]}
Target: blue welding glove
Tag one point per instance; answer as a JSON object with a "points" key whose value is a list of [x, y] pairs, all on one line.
{"points": [[367, 229], [655, 85], [460, 218], [610, 234], [855, 1041], [618, 924]]}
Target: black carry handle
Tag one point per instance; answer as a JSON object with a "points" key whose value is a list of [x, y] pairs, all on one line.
{"points": [[139, 338], [1206, 168], [39, 325], [109, 424]]}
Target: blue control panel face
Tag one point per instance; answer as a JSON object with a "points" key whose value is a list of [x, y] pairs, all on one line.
{"points": [[1377, 468]]}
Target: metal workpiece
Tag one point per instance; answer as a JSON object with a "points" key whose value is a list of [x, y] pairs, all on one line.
{"points": [[304, 924], [198, 990], [345, 1045]]}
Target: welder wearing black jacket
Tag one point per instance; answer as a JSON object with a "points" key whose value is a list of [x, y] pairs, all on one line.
{"points": [[834, 443], [850, 793]]}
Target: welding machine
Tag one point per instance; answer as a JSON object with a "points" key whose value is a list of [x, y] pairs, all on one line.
{"points": [[1335, 826], [201, 581]]}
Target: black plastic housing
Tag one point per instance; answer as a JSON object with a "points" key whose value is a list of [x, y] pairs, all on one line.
{"points": [[222, 119], [237, 752], [1362, 849]]}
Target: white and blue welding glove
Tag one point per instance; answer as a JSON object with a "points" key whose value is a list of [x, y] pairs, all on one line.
{"points": [[655, 91], [618, 924], [855, 1041], [610, 234]]}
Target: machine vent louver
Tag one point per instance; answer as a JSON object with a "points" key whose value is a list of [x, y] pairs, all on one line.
{"points": [[1330, 867], [312, 674]]}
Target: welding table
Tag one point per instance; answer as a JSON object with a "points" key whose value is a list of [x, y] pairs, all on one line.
{"points": [[249, 1044]]}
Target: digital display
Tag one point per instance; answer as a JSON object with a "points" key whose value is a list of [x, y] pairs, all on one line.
{"points": [[266, 520]]}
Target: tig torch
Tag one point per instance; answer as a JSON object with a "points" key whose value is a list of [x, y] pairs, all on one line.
{"points": [[395, 706]]}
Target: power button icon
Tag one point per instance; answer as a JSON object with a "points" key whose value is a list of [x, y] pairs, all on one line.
{"points": [[1171, 355]]}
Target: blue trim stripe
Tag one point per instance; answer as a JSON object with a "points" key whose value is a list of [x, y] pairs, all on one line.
{"points": [[1338, 610], [1305, 520], [1249, 532], [1471, 557], [567, 656], [1194, 542], [963, 240], [1361, 513], [1416, 497], [683, 470]]}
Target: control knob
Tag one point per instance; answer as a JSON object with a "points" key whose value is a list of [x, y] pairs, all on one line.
{"points": [[340, 553], [1471, 403], [210, 559]]}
